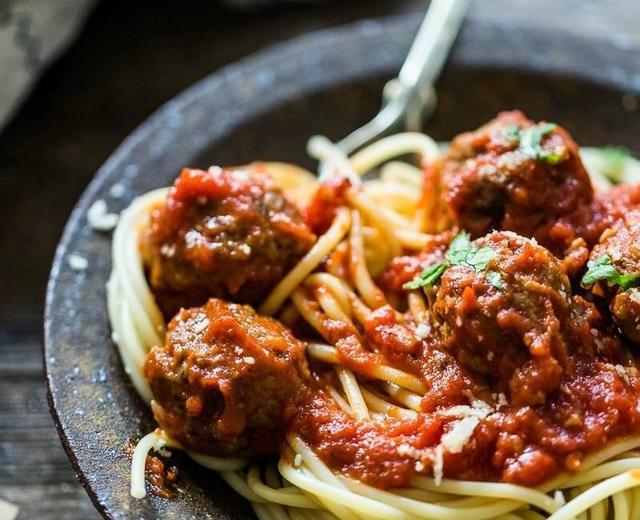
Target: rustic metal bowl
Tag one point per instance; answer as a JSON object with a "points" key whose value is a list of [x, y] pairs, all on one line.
{"points": [[264, 107]]}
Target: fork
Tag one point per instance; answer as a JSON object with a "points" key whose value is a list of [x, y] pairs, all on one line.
{"points": [[410, 97]]}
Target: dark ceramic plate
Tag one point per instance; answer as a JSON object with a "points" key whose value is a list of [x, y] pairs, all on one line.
{"points": [[265, 107]]}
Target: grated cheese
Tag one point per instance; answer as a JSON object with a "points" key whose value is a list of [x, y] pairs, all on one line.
{"points": [[201, 326], [623, 374], [438, 464], [423, 330], [168, 250], [558, 497], [99, 218], [77, 262], [455, 439], [480, 405], [403, 449], [464, 410]]}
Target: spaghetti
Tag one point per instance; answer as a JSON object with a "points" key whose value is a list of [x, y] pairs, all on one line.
{"points": [[345, 279]]}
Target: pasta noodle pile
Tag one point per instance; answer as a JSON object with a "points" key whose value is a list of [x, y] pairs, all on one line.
{"points": [[383, 216]]}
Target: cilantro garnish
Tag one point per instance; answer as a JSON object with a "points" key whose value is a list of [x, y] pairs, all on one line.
{"points": [[511, 133], [458, 247], [601, 268], [614, 158], [460, 252], [531, 143], [428, 277], [494, 278]]}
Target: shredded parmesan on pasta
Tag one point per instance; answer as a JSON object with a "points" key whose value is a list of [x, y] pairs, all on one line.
{"points": [[455, 439]]}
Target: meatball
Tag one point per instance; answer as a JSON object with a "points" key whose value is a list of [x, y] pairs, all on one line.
{"points": [[514, 174], [513, 321], [222, 233], [224, 378], [618, 254]]}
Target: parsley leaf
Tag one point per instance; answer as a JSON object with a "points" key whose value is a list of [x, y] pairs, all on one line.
{"points": [[601, 268], [614, 158], [494, 278], [459, 247], [479, 257], [460, 252], [531, 143], [511, 133], [428, 277]]}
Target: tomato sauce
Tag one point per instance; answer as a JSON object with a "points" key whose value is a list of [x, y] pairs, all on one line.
{"points": [[328, 198], [521, 373], [541, 369]]}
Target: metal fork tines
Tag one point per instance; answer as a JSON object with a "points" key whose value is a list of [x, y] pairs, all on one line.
{"points": [[411, 97]]}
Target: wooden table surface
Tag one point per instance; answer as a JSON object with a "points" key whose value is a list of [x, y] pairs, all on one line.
{"points": [[132, 57]]}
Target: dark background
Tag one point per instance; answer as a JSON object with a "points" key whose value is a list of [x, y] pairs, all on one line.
{"points": [[130, 58]]}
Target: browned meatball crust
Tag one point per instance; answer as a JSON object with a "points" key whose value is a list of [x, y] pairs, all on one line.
{"points": [[224, 378], [514, 321], [514, 174], [223, 233]]}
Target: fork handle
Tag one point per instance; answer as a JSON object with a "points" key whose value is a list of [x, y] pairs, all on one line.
{"points": [[408, 96], [432, 43]]}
